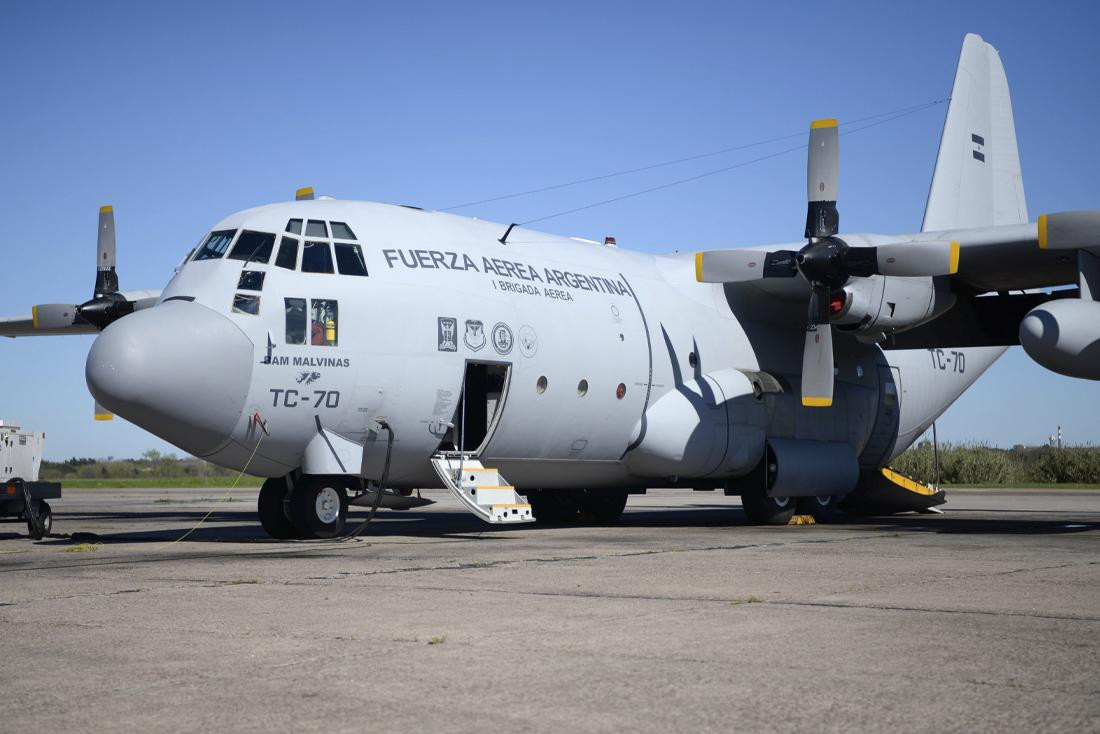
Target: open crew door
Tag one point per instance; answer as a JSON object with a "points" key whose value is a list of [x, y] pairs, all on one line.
{"points": [[480, 489]]}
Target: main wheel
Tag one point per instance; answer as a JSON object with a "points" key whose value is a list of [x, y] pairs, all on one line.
{"points": [[553, 506], [822, 508], [764, 510], [602, 506], [272, 510], [319, 507]]}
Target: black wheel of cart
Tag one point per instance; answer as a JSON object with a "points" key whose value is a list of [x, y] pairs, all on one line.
{"points": [[45, 516]]}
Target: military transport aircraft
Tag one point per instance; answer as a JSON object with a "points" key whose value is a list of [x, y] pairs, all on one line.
{"points": [[339, 346]]}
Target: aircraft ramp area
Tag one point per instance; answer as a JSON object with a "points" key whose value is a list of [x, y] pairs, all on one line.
{"points": [[679, 618]]}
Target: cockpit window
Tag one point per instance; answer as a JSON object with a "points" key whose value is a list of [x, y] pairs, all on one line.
{"points": [[288, 253], [244, 303], [251, 280], [323, 323], [341, 231], [294, 226], [316, 228], [349, 258], [253, 246], [295, 320], [216, 245], [316, 258]]}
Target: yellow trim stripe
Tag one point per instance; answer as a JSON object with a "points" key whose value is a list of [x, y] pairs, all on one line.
{"points": [[106, 209], [817, 402], [104, 416], [954, 267], [1042, 231], [906, 483], [34, 316], [304, 191], [827, 122], [699, 267]]}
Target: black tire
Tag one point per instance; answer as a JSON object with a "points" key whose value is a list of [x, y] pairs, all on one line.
{"points": [[602, 507], [45, 517], [761, 509], [319, 506], [272, 510], [553, 506], [823, 509]]}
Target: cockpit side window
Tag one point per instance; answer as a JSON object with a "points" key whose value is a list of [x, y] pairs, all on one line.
{"points": [[288, 253], [323, 322], [316, 228], [295, 320], [349, 258], [253, 246], [317, 258], [251, 280], [216, 245]]}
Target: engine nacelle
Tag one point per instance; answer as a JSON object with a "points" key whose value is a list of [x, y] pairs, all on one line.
{"points": [[875, 306], [1064, 336]]}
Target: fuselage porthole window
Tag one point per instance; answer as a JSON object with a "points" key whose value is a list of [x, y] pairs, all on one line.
{"points": [[316, 228], [253, 247], [288, 253], [295, 320], [317, 257], [216, 245], [341, 231], [349, 258], [251, 280], [294, 226], [323, 322], [246, 303]]}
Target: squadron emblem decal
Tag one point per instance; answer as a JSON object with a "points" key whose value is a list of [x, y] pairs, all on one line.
{"points": [[307, 378], [528, 342], [447, 329], [474, 337], [502, 338]]}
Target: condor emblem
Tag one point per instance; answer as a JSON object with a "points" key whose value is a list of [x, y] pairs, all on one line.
{"points": [[447, 330], [474, 337]]}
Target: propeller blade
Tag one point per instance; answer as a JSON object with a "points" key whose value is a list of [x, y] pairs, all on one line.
{"points": [[106, 280], [1069, 230], [304, 194], [102, 414], [910, 259], [817, 352], [822, 177], [739, 266], [53, 315]]}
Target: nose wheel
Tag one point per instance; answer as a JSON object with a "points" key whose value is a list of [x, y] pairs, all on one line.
{"points": [[318, 507]]}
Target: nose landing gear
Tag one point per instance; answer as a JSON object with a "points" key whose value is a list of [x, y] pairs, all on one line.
{"points": [[316, 507]]}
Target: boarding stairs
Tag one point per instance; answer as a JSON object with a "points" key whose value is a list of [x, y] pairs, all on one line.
{"points": [[480, 489]]}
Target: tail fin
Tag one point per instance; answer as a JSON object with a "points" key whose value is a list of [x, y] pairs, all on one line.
{"points": [[977, 181]]}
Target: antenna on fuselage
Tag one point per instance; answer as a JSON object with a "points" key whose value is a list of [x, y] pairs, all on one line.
{"points": [[504, 240]]}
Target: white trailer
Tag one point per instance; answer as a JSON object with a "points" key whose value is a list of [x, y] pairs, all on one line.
{"points": [[23, 496]]}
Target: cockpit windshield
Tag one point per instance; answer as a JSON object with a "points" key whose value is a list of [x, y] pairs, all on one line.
{"points": [[254, 247], [216, 245]]}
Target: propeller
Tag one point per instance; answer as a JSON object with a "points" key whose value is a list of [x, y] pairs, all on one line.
{"points": [[106, 304], [827, 262]]}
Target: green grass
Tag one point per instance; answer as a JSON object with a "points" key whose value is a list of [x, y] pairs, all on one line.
{"points": [[159, 482], [1020, 485]]}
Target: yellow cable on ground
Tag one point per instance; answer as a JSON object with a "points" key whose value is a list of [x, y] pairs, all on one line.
{"points": [[234, 484]]}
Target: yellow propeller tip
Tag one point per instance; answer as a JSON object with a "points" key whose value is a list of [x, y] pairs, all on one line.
{"points": [[106, 209], [816, 402], [104, 416], [699, 267], [826, 122], [1042, 231]]}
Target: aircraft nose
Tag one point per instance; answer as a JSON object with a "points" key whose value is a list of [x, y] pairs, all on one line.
{"points": [[179, 370]]}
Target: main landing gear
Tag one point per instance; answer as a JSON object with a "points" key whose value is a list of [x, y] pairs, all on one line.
{"points": [[316, 507], [561, 506]]}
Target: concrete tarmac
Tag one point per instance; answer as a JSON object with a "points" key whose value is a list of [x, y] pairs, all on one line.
{"points": [[679, 618]]}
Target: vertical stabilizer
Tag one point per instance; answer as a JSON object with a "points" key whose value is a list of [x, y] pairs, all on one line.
{"points": [[977, 181]]}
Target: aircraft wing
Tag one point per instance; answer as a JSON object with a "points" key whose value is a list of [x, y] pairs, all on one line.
{"points": [[13, 326]]}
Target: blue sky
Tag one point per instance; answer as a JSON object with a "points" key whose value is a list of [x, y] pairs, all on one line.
{"points": [[180, 115]]}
